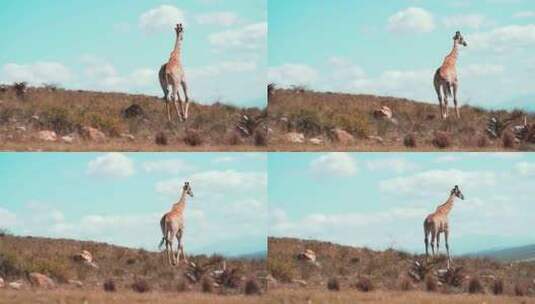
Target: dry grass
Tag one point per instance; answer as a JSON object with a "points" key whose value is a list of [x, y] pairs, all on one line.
{"points": [[120, 269], [315, 114], [124, 297], [119, 117], [379, 271], [292, 296]]}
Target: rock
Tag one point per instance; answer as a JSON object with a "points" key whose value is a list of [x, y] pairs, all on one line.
{"points": [[35, 117], [76, 283], [132, 111], [284, 119], [383, 112], [130, 137], [2, 283], [41, 280], [92, 134], [301, 283], [296, 138], [308, 255], [342, 136], [68, 139], [378, 139], [15, 285], [21, 128], [47, 135], [316, 141]]}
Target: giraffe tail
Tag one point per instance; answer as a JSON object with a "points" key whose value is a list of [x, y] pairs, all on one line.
{"points": [[161, 243]]}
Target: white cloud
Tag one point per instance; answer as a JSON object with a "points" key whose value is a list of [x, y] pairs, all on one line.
{"points": [[397, 165], [100, 74], [292, 74], [221, 68], [510, 37], [486, 69], [525, 14], [248, 37], [474, 21], [336, 164], [170, 166], [411, 20], [163, 17], [111, 164], [7, 219], [216, 182], [36, 73], [525, 168], [218, 18], [224, 159], [428, 183]]}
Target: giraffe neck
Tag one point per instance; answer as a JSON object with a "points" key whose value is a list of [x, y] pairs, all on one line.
{"points": [[178, 46], [447, 206], [454, 52], [181, 202]]}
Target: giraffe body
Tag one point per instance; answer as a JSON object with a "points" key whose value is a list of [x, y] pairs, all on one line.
{"points": [[445, 81], [437, 223], [172, 225]]}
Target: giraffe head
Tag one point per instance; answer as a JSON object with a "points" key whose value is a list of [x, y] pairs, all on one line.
{"points": [[459, 39], [187, 189], [457, 192], [179, 29]]}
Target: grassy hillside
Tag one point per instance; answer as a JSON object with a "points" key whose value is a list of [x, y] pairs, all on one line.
{"points": [[144, 128], [416, 126], [342, 269], [523, 253], [124, 266]]}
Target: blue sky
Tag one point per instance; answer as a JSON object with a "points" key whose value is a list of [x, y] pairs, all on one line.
{"points": [[120, 198], [380, 200], [394, 47], [110, 46]]}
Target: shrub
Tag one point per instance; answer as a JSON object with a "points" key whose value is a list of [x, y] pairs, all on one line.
{"points": [[364, 284], [497, 287], [520, 289], [508, 140], [140, 286], [430, 283], [207, 285], [405, 284], [161, 139], [482, 141], [193, 138], [333, 284], [281, 269], [182, 286], [441, 140], [410, 141], [109, 286], [234, 139], [260, 139], [252, 287], [474, 286], [58, 120]]}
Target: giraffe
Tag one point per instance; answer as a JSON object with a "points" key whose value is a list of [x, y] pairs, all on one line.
{"points": [[445, 79], [437, 222], [171, 74], [172, 225]]}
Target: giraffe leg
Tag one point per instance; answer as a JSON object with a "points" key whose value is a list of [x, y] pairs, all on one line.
{"points": [[433, 243], [446, 104], [177, 100], [181, 247], [186, 96], [168, 111], [426, 241], [446, 236], [455, 86], [438, 242]]}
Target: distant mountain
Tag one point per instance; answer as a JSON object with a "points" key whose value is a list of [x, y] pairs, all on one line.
{"points": [[514, 254]]}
